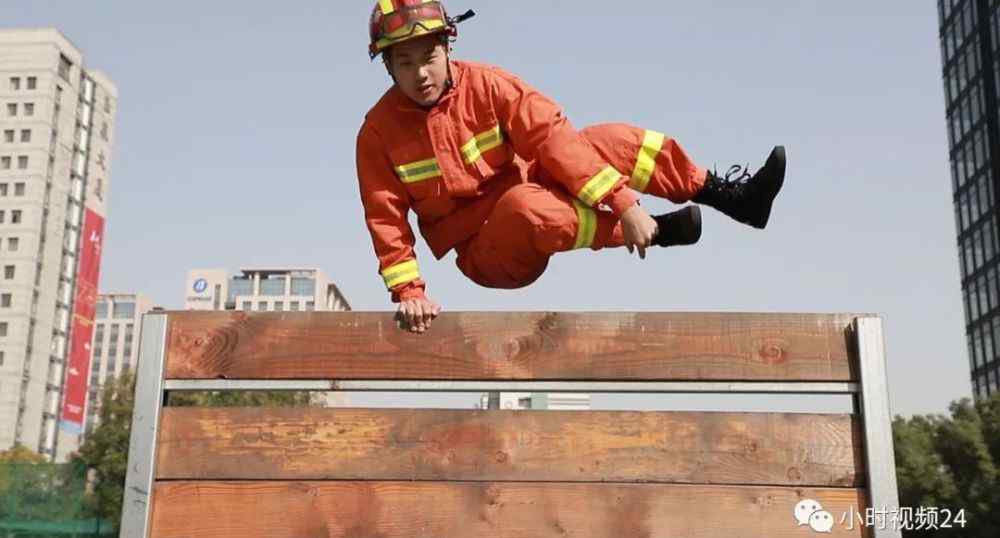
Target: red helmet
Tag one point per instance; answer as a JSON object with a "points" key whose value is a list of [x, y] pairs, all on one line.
{"points": [[395, 21]]}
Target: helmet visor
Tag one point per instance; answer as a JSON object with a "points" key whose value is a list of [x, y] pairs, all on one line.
{"points": [[410, 21]]}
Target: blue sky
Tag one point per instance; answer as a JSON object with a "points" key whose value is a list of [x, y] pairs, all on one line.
{"points": [[237, 123]]}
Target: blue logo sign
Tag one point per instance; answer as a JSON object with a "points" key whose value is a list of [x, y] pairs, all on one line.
{"points": [[200, 285]]}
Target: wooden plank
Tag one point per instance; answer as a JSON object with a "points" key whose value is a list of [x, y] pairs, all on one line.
{"points": [[495, 510], [458, 444], [511, 346]]}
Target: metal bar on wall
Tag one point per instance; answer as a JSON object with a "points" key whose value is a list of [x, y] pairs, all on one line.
{"points": [[137, 504], [876, 417]]}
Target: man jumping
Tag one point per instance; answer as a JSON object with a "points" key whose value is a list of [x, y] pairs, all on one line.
{"points": [[494, 170]]}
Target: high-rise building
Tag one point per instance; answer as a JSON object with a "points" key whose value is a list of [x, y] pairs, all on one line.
{"points": [[115, 347], [56, 133], [286, 289], [539, 400], [970, 49]]}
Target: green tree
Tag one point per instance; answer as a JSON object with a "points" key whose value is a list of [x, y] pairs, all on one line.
{"points": [[105, 449], [952, 462]]}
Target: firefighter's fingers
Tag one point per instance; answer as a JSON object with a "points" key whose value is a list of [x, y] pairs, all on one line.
{"points": [[418, 317], [642, 251], [406, 314], [410, 320]]}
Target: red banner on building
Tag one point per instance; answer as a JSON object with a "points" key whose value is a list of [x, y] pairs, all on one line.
{"points": [[82, 324]]}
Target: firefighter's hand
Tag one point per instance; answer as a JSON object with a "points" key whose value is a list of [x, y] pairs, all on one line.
{"points": [[639, 229], [416, 314]]}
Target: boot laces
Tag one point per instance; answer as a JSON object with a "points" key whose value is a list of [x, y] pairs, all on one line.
{"points": [[736, 175], [735, 179]]}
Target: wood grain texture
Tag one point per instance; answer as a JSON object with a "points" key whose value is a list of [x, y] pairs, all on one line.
{"points": [[497, 510], [476, 445], [651, 346]]}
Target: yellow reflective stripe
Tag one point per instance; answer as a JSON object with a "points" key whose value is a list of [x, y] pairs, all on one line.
{"points": [[481, 143], [598, 186], [418, 171], [400, 273], [386, 6], [586, 225], [645, 163]]}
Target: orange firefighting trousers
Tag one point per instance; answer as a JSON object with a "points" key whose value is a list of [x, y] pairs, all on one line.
{"points": [[532, 221]]}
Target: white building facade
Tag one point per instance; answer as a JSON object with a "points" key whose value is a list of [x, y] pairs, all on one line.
{"points": [[56, 133]]}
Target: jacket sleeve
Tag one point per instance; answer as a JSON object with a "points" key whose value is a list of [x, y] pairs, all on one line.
{"points": [[538, 130], [387, 206]]}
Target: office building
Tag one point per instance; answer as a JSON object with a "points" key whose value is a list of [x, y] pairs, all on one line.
{"points": [[263, 290], [969, 34], [57, 122]]}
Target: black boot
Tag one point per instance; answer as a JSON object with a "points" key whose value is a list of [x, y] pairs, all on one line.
{"points": [[681, 227], [746, 198]]}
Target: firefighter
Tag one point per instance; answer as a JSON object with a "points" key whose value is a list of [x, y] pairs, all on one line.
{"points": [[494, 170]]}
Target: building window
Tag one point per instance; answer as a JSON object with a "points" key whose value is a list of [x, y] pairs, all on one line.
{"points": [[25, 135], [8, 136], [104, 130], [122, 311], [217, 297], [112, 345], [262, 306], [279, 306], [272, 286], [12, 244], [107, 104], [310, 306], [29, 109], [293, 306], [303, 286], [8, 272], [32, 83], [15, 216], [127, 352], [3, 216], [3, 189], [101, 311], [12, 109], [64, 67], [238, 287], [5, 163], [15, 83], [3, 328], [247, 306], [22, 162], [18, 190], [1, 358], [99, 341], [5, 300]]}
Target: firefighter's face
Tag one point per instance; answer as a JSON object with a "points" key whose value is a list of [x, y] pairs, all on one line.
{"points": [[421, 68]]}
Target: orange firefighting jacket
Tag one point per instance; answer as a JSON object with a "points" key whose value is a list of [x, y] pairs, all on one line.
{"points": [[451, 162]]}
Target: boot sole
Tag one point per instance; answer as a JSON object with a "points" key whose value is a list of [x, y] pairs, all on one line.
{"points": [[775, 166]]}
